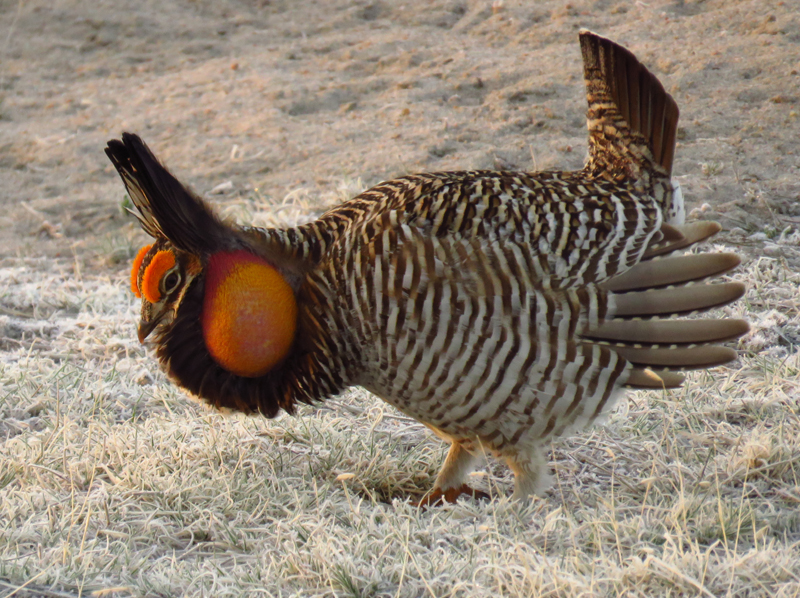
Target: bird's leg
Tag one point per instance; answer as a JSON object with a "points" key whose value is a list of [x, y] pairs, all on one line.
{"points": [[531, 475], [450, 483]]}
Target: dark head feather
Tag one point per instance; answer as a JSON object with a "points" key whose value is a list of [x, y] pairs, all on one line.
{"points": [[167, 209]]}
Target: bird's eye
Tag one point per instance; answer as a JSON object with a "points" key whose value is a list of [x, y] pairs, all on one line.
{"points": [[172, 281]]}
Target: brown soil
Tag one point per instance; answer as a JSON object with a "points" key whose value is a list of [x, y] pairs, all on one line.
{"points": [[300, 98], [111, 482]]}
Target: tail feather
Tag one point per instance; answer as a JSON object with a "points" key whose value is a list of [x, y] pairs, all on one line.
{"points": [[667, 235], [679, 301], [692, 358], [646, 378], [690, 234], [667, 333], [684, 269], [628, 101], [646, 299]]}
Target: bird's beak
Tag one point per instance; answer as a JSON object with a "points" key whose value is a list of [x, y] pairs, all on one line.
{"points": [[145, 328]]}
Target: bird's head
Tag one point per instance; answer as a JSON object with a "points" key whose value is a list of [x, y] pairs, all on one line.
{"points": [[249, 312], [160, 276], [207, 289]]}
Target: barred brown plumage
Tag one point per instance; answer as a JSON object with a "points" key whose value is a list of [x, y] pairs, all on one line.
{"points": [[500, 309]]}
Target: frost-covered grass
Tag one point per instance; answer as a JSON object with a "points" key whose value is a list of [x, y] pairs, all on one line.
{"points": [[112, 482]]}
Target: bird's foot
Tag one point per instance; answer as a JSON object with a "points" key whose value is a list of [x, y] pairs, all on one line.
{"points": [[438, 497]]}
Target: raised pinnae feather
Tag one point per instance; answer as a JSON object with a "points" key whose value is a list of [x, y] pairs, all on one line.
{"points": [[120, 157], [167, 208]]}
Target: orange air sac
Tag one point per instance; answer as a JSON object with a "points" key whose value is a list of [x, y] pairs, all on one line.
{"points": [[249, 313]]}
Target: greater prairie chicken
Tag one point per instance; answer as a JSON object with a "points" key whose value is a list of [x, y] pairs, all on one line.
{"points": [[500, 309]]}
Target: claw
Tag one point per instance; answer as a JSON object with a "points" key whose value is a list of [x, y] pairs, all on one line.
{"points": [[438, 497]]}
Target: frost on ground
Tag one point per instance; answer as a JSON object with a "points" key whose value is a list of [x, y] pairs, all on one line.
{"points": [[112, 478], [113, 482]]}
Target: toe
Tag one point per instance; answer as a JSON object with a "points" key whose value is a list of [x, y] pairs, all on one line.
{"points": [[432, 499], [438, 496]]}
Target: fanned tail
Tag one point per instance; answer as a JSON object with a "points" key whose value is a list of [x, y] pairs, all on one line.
{"points": [[631, 118], [649, 297]]}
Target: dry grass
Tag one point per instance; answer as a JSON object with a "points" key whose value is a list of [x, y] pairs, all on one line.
{"points": [[114, 483]]}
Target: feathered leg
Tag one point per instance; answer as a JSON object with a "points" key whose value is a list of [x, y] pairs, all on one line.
{"points": [[531, 475]]}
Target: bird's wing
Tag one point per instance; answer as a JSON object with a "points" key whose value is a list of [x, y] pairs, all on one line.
{"points": [[570, 231]]}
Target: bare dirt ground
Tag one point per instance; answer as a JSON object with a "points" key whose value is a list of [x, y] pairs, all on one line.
{"points": [[111, 481], [277, 97]]}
